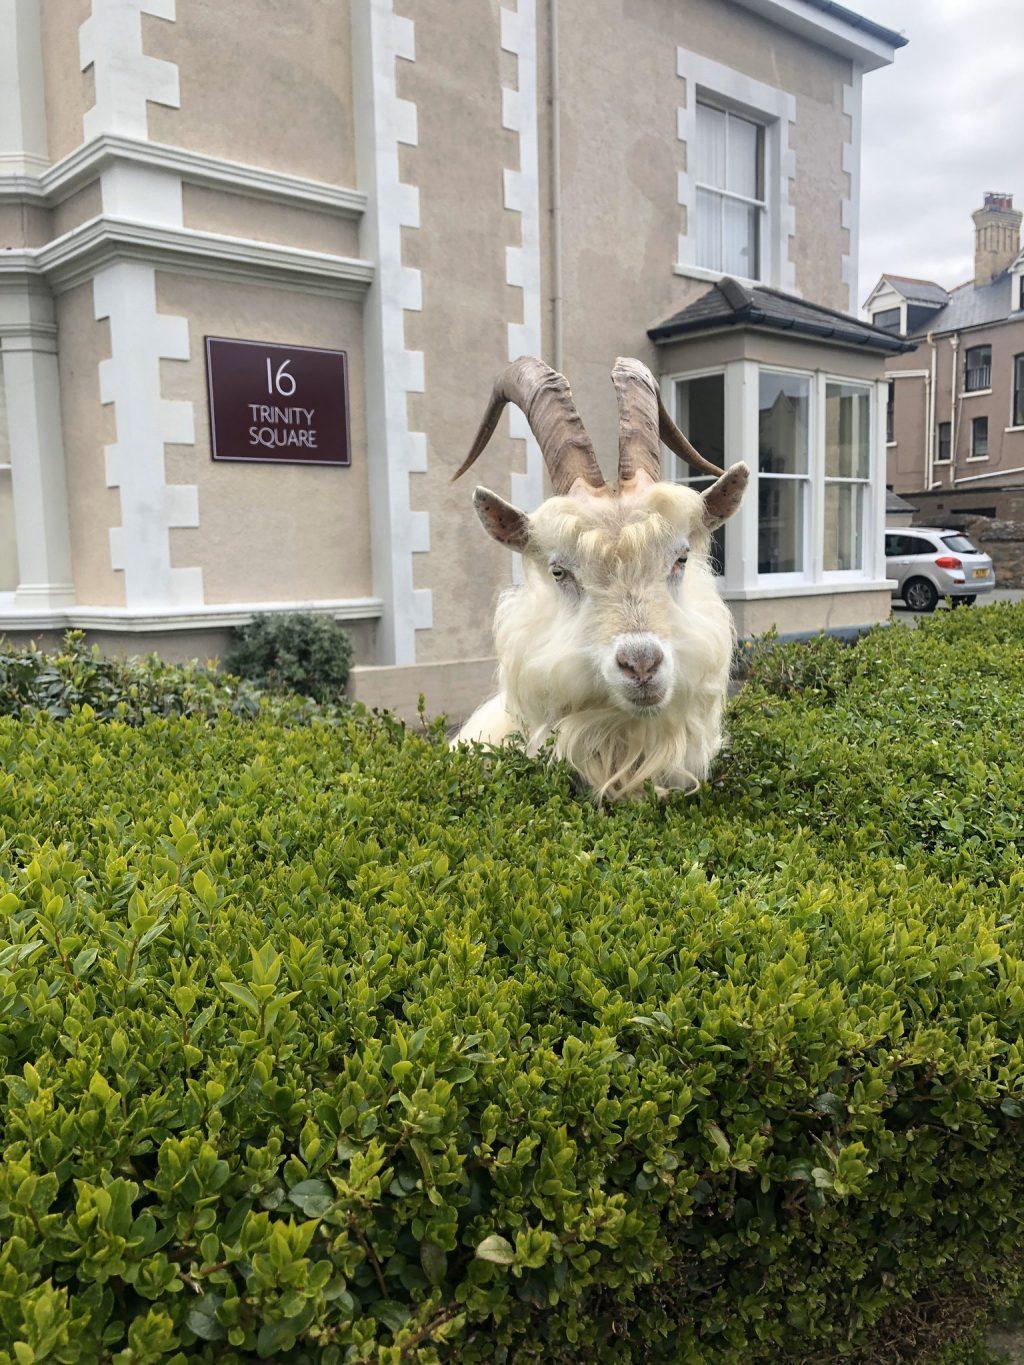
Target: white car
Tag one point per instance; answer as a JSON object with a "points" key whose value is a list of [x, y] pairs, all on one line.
{"points": [[928, 564]]}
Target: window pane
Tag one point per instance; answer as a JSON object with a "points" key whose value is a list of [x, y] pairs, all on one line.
{"points": [[1018, 390], [979, 436], [709, 158], [783, 423], [742, 222], [743, 170], [844, 526], [709, 230], [8, 548], [700, 413], [961, 545], [847, 431], [780, 525]]}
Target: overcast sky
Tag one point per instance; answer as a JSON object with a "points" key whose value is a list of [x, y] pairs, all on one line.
{"points": [[941, 125]]}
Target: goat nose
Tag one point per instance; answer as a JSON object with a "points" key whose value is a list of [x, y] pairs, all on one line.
{"points": [[640, 662]]}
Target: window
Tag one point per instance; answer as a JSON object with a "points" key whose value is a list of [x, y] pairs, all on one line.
{"points": [[943, 438], [959, 544], [783, 479], [1017, 418], [979, 438], [888, 320], [977, 368], [847, 470], [700, 413], [890, 411], [730, 192]]}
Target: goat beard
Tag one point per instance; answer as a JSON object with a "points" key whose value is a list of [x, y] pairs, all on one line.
{"points": [[616, 753]]}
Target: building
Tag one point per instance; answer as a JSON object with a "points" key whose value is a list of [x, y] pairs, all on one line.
{"points": [[384, 201], [955, 426]]}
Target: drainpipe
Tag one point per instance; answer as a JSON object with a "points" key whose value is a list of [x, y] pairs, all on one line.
{"points": [[954, 342], [929, 420], [556, 193]]}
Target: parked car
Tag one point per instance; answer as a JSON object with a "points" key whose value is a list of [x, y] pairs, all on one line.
{"points": [[928, 564]]}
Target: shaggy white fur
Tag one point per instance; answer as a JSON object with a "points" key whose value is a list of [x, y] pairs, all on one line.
{"points": [[601, 572]]}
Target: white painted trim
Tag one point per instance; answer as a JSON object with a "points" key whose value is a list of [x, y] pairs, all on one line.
{"points": [[210, 617], [140, 337], [23, 140], [78, 254], [700, 272], [384, 122], [850, 206], [86, 163], [821, 589], [776, 109], [829, 30], [124, 77], [992, 474], [522, 263]]}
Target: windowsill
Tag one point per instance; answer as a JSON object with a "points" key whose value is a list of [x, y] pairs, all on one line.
{"points": [[974, 393], [890, 445], [943, 463], [976, 459], [1004, 428], [822, 588], [700, 272]]}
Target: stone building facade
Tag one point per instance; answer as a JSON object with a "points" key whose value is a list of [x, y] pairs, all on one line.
{"points": [[431, 190]]}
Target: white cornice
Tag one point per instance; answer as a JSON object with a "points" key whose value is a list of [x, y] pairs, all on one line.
{"points": [[212, 617], [78, 254], [84, 165]]}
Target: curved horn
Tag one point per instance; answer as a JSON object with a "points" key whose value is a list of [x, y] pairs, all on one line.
{"points": [[545, 397], [644, 424]]}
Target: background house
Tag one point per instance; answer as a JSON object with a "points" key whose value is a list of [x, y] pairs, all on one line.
{"points": [[431, 190], [955, 426]]}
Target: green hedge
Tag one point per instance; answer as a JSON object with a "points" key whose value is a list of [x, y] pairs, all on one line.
{"points": [[323, 1044]]}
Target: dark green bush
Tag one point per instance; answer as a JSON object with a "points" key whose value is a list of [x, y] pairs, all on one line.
{"points": [[115, 688], [324, 1044], [298, 651]]}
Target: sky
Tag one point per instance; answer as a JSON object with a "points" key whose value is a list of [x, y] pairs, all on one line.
{"points": [[941, 126]]}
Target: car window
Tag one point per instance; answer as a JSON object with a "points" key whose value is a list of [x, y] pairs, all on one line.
{"points": [[960, 544], [896, 545], [916, 545]]}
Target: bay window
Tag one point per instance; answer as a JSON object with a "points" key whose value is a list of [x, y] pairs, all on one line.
{"points": [[783, 433], [813, 517]]}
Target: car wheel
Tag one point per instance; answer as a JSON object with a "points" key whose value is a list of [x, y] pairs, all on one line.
{"points": [[920, 595], [967, 601]]}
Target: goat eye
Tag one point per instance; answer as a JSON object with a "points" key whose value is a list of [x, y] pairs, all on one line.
{"points": [[679, 565], [560, 573]]}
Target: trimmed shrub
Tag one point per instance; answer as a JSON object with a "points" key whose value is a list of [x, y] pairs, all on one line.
{"points": [[115, 688], [298, 651], [325, 1044]]}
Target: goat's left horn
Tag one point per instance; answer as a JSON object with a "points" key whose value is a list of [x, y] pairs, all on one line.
{"points": [[545, 397], [644, 424]]}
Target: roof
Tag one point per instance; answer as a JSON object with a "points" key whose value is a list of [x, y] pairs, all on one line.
{"points": [[972, 305], [848, 16], [918, 291], [731, 304], [894, 503]]}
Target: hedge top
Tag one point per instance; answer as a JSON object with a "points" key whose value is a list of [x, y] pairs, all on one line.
{"points": [[324, 1044]]}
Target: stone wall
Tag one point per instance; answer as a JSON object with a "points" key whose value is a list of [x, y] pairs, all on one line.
{"points": [[1004, 541]]}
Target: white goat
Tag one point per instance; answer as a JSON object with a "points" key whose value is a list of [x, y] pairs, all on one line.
{"points": [[617, 642]]}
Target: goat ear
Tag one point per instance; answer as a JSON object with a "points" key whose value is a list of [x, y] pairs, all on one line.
{"points": [[501, 520], [724, 495]]}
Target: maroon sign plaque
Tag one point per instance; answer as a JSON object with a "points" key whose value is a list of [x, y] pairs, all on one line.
{"points": [[277, 404]]}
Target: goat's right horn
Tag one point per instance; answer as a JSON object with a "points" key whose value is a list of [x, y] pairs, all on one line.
{"points": [[644, 423], [545, 397]]}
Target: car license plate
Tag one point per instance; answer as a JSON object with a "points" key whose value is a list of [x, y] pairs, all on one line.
{"points": [[981, 573]]}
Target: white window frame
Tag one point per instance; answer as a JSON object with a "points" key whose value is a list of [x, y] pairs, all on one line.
{"points": [[722, 193], [774, 109], [742, 579], [870, 528]]}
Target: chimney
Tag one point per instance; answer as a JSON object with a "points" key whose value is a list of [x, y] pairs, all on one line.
{"points": [[996, 236]]}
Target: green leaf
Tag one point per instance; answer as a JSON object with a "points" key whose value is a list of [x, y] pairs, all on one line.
{"points": [[495, 1248], [313, 1197], [434, 1261]]}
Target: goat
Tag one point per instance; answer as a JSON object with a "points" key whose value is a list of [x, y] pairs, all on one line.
{"points": [[617, 643]]}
